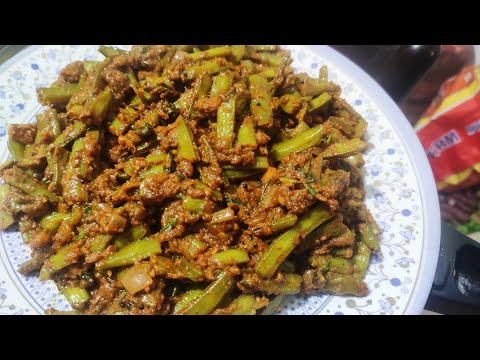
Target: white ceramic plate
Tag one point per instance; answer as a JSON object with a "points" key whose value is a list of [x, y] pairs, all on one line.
{"points": [[399, 185]]}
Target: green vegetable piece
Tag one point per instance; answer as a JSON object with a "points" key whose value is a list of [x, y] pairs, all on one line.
{"points": [[231, 256]]}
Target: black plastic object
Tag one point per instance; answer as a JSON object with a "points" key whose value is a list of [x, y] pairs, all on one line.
{"points": [[397, 68], [457, 278]]}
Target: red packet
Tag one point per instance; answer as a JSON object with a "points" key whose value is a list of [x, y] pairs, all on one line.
{"points": [[449, 130]]}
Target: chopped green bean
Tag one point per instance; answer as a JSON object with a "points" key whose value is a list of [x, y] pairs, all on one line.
{"points": [[231, 256], [301, 142], [283, 245], [128, 255], [284, 222], [260, 100], [211, 296]]}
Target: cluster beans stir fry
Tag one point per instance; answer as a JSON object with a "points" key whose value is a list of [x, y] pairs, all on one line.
{"points": [[190, 180]]}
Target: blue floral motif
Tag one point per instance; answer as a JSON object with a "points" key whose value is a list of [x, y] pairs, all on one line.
{"points": [[407, 235], [2, 94], [404, 261], [3, 130], [17, 75], [399, 170], [386, 306], [374, 170], [383, 226], [379, 198], [17, 108], [405, 193], [52, 55]]}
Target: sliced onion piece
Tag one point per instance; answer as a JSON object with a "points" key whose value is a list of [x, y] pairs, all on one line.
{"points": [[135, 279]]}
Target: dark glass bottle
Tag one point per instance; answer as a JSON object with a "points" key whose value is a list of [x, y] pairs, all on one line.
{"points": [[396, 68]]}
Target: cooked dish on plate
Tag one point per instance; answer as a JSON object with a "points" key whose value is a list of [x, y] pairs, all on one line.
{"points": [[190, 180]]}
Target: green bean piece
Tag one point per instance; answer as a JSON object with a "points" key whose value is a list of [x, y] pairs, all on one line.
{"points": [[48, 127], [89, 65], [33, 156], [231, 256], [211, 53], [243, 305], [221, 84], [186, 298], [186, 149], [266, 48], [100, 243], [58, 261], [16, 149], [270, 59], [226, 125], [123, 120], [128, 255], [360, 259], [22, 181], [207, 67], [90, 84], [163, 265], [301, 142], [5, 218], [51, 223], [340, 265], [345, 284], [100, 107], [238, 51], [368, 237], [141, 93], [193, 205], [355, 160], [259, 163], [291, 103], [154, 170], [211, 296], [273, 305], [190, 270], [284, 222], [57, 159], [71, 133], [345, 148], [319, 102], [246, 133], [56, 95], [76, 296], [155, 158], [268, 73], [111, 51], [191, 247], [134, 233], [283, 245], [344, 251], [320, 262], [290, 284], [315, 87], [260, 100], [6, 165], [241, 174]]}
